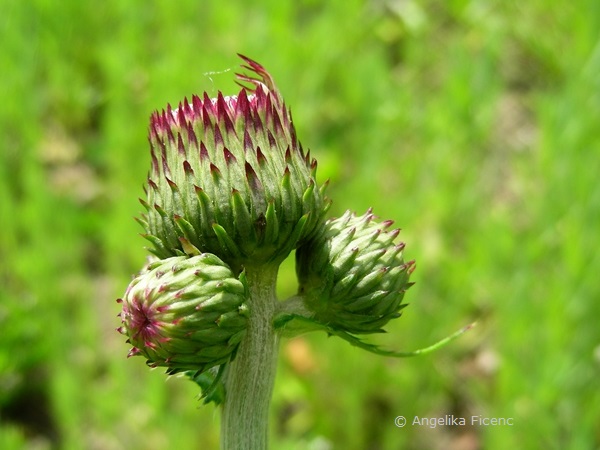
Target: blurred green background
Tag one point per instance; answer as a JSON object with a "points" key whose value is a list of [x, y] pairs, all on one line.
{"points": [[475, 125]]}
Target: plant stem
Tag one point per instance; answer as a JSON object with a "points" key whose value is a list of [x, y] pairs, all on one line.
{"points": [[251, 375]]}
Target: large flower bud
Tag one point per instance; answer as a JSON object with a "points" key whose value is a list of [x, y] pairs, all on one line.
{"points": [[230, 177], [352, 276], [185, 313]]}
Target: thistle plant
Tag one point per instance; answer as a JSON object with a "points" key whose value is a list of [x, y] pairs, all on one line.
{"points": [[230, 194]]}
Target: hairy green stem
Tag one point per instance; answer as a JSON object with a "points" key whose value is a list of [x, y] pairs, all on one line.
{"points": [[251, 375]]}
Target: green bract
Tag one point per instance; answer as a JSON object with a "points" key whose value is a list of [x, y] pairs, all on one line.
{"points": [[185, 313], [352, 276], [230, 177]]}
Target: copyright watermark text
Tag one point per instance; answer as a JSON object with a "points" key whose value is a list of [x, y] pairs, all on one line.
{"points": [[452, 420]]}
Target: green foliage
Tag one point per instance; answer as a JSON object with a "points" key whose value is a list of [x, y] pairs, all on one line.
{"points": [[473, 124]]}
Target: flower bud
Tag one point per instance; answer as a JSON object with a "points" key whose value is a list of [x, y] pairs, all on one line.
{"points": [[230, 177], [185, 313], [352, 276]]}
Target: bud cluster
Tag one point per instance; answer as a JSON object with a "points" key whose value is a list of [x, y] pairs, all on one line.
{"points": [[231, 184]]}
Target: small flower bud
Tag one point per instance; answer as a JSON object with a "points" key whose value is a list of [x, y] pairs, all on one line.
{"points": [[230, 176], [352, 276], [185, 313]]}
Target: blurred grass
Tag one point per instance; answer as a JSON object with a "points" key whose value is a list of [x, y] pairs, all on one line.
{"points": [[473, 124]]}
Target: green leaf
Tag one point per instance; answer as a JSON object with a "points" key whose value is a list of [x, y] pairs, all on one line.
{"points": [[210, 383], [294, 324]]}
